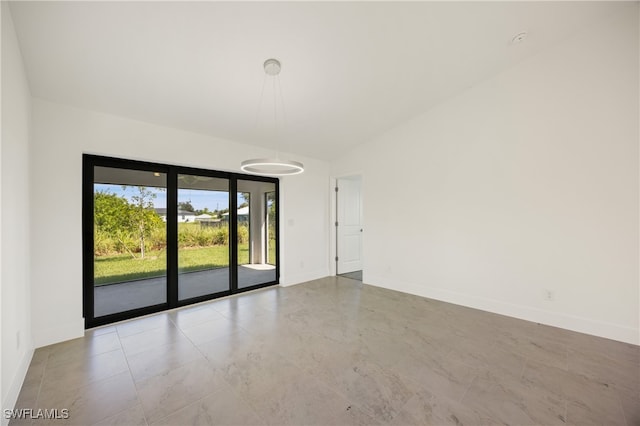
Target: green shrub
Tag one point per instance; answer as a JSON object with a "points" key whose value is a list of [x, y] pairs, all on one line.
{"points": [[196, 235], [125, 242], [243, 234], [190, 235], [221, 236], [157, 239], [103, 244], [183, 237]]}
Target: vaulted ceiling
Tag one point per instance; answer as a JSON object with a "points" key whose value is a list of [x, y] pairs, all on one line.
{"points": [[350, 70]]}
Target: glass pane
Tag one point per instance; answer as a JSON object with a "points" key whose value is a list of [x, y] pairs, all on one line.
{"points": [[271, 228], [130, 238], [254, 265], [203, 236], [244, 249]]}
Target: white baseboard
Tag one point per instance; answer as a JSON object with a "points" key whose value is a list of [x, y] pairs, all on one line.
{"points": [[58, 334], [290, 280], [570, 322], [16, 384]]}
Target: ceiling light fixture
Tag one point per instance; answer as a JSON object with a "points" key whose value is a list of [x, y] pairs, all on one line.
{"points": [[272, 166]]}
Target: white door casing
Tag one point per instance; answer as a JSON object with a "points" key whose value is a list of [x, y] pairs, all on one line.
{"points": [[349, 228]]}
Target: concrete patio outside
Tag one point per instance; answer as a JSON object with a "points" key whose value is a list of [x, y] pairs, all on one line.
{"points": [[113, 298]]}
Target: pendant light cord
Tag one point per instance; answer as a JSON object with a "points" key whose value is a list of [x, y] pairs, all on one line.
{"points": [[282, 112], [277, 88], [275, 118], [255, 122]]}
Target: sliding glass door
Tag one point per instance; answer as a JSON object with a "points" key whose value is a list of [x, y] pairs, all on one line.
{"points": [[253, 216], [203, 236], [157, 236], [129, 239]]}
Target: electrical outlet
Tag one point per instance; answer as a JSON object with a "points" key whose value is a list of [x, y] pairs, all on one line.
{"points": [[549, 295]]}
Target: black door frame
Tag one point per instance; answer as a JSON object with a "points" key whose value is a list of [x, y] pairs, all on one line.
{"points": [[89, 162]]}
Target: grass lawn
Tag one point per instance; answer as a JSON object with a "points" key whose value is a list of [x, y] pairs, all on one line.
{"points": [[271, 254], [122, 267]]}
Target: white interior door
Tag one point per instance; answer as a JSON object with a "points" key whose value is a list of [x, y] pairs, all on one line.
{"points": [[349, 227]]}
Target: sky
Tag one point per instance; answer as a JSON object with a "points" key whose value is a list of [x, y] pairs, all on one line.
{"points": [[213, 200]]}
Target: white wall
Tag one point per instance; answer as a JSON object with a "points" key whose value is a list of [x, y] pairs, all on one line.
{"points": [[525, 183], [304, 226], [17, 344], [61, 135]]}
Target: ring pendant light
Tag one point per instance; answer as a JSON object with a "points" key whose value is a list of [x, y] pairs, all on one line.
{"points": [[272, 166]]}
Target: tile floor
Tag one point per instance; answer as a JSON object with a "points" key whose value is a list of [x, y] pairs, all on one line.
{"points": [[334, 352]]}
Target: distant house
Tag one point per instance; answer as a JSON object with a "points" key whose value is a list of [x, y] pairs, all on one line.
{"points": [[207, 220], [243, 214], [184, 216]]}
